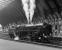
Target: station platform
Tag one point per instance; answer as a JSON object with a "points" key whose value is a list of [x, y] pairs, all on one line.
{"points": [[6, 43], [11, 45]]}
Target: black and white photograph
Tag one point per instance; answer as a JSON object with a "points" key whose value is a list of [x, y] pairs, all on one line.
{"points": [[30, 24]]}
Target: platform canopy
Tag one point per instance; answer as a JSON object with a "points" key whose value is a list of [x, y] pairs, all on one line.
{"points": [[12, 11]]}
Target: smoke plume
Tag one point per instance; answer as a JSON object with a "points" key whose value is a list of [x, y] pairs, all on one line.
{"points": [[29, 6]]}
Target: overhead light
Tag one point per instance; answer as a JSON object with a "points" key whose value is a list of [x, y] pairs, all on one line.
{"points": [[4, 3]]}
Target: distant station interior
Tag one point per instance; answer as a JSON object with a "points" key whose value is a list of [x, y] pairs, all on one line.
{"points": [[31, 21]]}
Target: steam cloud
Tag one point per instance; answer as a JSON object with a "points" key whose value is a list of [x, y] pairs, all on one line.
{"points": [[29, 6]]}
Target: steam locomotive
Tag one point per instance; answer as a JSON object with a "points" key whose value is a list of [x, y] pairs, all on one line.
{"points": [[36, 32]]}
